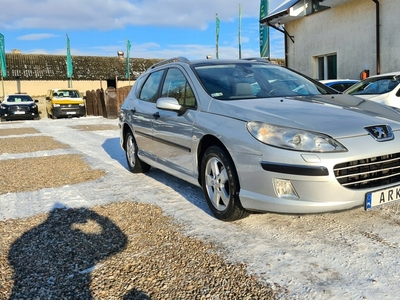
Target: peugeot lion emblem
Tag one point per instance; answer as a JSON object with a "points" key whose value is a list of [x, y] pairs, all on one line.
{"points": [[380, 133]]}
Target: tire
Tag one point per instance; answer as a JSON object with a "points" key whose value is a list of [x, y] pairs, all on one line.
{"points": [[135, 165], [220, 185]]}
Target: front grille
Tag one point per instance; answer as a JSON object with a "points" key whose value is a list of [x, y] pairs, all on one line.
{"points": [[369, 172], [19, 108], [70, 106]]}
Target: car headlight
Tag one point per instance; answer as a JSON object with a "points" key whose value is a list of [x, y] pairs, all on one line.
{"points": [[293, 138], [56, 105]]}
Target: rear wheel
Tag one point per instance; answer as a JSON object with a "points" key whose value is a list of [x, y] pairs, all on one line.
{"points": [[221, 185], [134, 163]]}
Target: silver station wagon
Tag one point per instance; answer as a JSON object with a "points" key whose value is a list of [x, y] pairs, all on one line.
{"points": [[259, 137]]}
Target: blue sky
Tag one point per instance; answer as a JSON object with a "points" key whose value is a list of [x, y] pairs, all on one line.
{"points": [[155, 28]]}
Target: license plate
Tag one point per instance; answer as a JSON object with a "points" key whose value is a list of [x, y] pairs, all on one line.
{"points": [[19, 112], [71, 112], [382, 197]]}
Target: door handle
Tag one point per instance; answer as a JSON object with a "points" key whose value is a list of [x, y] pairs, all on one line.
{"points": [[156, 115]]}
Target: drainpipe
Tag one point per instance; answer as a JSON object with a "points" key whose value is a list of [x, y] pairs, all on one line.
{"points": [[378, 38], [286, 52]]}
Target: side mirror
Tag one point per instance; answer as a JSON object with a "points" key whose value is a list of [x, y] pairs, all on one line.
{"points": [[48, 98], [171, 104]]}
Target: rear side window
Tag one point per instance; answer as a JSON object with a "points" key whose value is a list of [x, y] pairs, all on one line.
{"points": [[138, 85], [176, 86], [150, 87]]}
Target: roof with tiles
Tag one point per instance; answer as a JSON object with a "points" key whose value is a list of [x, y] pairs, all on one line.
{"points": [[54, 67]]}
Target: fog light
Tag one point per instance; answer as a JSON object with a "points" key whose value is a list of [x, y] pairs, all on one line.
{"points": [[285, 189]]}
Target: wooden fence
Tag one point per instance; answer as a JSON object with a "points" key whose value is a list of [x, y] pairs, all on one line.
{"points": [[106, 103]]}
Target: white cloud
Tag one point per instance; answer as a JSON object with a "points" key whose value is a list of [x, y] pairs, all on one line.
{"points": [[108, 15], [97, 27], [36, 36]]}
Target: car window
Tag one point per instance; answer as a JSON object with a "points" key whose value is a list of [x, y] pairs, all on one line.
{"points": [[377, 85], [66, 93], [247, 80], [19, 99], [176, 86], [138, 85], [150, 87], [341, 87], [338, 86]]}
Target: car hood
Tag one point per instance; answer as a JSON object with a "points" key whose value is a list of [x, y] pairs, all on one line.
{"points": [[336, 115], [66, 101]]}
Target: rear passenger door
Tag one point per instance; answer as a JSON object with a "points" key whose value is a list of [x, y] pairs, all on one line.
{"points": [[143, 109]]}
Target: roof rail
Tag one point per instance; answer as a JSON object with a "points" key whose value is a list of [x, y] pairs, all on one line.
{"points": [[167, 61], [260, 59]]}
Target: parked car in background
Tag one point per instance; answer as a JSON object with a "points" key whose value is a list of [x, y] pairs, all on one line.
{"points": [[18, 107], [383, 88], [340, 84], [64, 103], [260, 137]]}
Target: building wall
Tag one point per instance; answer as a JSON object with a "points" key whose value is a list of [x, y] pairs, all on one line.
{"points": [[349, 31], [39, 88], [390, 42]]}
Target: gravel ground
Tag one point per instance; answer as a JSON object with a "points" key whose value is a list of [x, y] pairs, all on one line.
{"points": [[123, 250]]}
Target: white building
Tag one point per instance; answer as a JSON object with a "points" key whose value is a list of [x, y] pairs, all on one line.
{"points": [[329, 39]]}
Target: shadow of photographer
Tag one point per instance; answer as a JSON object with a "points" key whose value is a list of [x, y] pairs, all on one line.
{"points": [[55, 259]]}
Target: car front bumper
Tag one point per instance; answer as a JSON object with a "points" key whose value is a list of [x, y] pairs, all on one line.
{"points": [[19, 115], [69, 111], [315, 177]]}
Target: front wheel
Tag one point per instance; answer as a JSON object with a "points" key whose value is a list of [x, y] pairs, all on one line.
{"points": [[134, 163], [221, 185]]}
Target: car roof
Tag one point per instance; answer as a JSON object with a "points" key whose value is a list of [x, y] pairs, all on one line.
{"points": [[195, 62], [16, 95], [385, 74], [227, 61], [339, 80], [64, 89]]}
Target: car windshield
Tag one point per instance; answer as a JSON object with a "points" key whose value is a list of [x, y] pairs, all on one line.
{"points": [[374, 86], [66, 93], [254, 80], [19, 98]]}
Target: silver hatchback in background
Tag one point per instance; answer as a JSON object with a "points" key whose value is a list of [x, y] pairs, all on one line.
{"points": [[260, 137]]}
